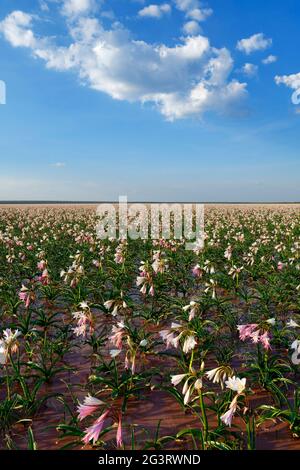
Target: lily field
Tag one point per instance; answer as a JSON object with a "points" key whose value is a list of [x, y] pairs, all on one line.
{"points": [[142, 344]]}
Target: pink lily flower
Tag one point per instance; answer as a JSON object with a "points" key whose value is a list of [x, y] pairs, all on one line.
{"points": [[93, 431], [89, 406], [119, 432]]}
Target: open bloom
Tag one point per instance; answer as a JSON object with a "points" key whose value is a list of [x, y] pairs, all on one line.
{"points": [[236, 384], [228, 253], [26, 295], [159, 264], [176, 333], [235, 271], [120, 252], [93, 431], [114, 353], [227, 417], [292, 324], [89, 406], [193, 308], [257, 335], [116, 305], [8, 344], [176, 379], [189, 343], [211, 286], [219, 374], [296, 345], [116, 337], [295, 356], [145, 280], [85, 321]]}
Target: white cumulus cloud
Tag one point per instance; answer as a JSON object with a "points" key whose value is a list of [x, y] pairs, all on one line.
{"points": [[257, 42], [187, 79], [191, 28], [292, 81], [77, 7], [249, 69], [155, 11], [193, 9], [270, 59]]}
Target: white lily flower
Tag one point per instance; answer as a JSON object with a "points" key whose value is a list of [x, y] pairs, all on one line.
{"points": [[3, 351], [189, 344], [114, 352], [83, 305], [236, 384], [92, 401], [176, 379], [296, 345], [292, 324]]}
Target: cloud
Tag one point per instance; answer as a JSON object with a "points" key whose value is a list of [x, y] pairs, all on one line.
{"points": [[257, 42], [193, 9], [291, 81], [191, 28], [188, 79], [16, 29], [250, 69], [270, 59], [59, 165], [77, 7], [199, 14], [194, 14], [43, 5], [155, 11]]}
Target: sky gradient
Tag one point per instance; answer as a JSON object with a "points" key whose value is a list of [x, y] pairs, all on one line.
{"points": [[160, 101]]}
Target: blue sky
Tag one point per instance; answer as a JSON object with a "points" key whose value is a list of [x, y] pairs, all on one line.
{"points": [[157, 100]]}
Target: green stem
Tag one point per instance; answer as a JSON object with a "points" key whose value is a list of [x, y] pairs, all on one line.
{"points": [[204, 417]]}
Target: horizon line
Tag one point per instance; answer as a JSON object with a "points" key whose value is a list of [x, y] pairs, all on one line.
{"points": [[45, 201]]}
